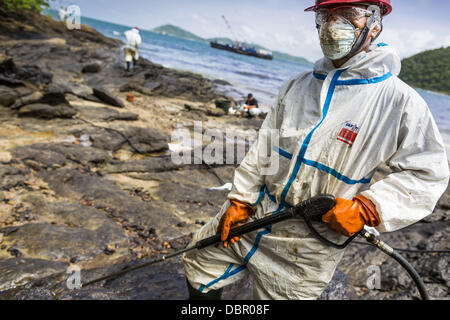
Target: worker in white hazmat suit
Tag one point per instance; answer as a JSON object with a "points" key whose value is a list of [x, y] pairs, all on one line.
{"points": [[337, 125], [133, 41]]}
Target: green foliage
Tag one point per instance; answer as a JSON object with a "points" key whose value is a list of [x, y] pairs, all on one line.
{"points": [[32, 5], [429, 70]]}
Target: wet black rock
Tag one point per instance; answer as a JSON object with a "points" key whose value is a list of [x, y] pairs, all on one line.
{"points": [[11, 177], [10, 82], [28, 99], [153, 164], [8, 95], [55, 97], [19, 271], [109, 251], [51, 154], [106, 195], [56, 243], [13, 75], [146, 139], [46, 158], [34, 75], [106, 114], [6, 64], [92, 68], [46, 111], [143, 140], [108, 97], [14, 252], [134, 86], [337, 288], [77, 216]]}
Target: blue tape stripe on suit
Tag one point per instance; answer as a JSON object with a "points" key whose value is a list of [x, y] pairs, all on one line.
{"points": [[224, 276], [353, 82], [283, 153], [321, 167], [261, 194], [334, 173], [305, 144]]}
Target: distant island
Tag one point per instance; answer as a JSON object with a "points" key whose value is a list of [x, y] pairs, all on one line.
{"points": [[178, 32], [175, 31], [428, 70]]}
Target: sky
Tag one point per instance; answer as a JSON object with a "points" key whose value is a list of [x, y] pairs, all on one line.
{"points": [[282, 25]]}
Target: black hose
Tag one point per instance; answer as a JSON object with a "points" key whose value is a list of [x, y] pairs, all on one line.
{"points": [[413, 273], [372, 239]]}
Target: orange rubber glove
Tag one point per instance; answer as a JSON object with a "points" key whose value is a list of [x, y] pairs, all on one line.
{"points": [[236, 215], [349, 216]]}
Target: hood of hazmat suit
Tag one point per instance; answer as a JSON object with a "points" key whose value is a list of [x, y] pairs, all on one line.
{"points": [[354, 130], [133, 39]]}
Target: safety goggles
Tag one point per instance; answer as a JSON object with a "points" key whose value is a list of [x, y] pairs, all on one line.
{"points": [[349, 13]]}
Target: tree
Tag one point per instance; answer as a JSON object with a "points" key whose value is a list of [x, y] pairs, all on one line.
{"points": [[428, 70], [32, 5]]}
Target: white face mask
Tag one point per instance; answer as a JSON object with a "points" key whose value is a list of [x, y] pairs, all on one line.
{"points": [[337, 38]]}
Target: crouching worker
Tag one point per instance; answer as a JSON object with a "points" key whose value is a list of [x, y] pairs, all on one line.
{"points": [[337, 125], [250, 108]]}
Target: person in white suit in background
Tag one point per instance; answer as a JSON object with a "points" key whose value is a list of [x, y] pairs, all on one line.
{"points": [[133, 41]]}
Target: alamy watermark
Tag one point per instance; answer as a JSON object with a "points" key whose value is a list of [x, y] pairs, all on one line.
{"points": [[74, 279], [71, 16], [373, 282]]}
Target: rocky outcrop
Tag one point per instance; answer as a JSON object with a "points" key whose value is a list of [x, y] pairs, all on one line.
{"points": [[107, 97], [40, 110]]}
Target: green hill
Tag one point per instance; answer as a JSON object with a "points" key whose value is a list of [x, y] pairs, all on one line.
{"points": [[175, 31], [429, 70]]}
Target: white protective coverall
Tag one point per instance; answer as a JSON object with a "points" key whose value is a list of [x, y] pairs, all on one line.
{"points": [[337, 126], [133, 41]]}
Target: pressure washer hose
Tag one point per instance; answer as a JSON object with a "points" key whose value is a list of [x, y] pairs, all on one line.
{"points": [[399, 258]]}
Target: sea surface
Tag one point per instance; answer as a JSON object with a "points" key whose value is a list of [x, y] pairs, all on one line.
{"points": [[247, 74]]}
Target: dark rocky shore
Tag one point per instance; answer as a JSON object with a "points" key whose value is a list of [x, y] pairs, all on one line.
{"points": [[86, 177]]}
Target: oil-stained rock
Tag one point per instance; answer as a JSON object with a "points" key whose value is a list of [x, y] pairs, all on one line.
{"points": [[106, 195], [11, 177], [107, 97], [19, 271], [50, 154], [46, 111], [105, 114], [57, 242]]}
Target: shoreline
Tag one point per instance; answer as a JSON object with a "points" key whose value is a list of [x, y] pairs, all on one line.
{"points": [[447, 95]]}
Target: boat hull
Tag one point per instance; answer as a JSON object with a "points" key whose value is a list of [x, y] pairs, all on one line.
{"points": [[237, 50]]}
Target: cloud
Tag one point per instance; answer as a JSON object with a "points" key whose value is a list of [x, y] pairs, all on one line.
{"points": [[409, 42], [413, 26]]}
